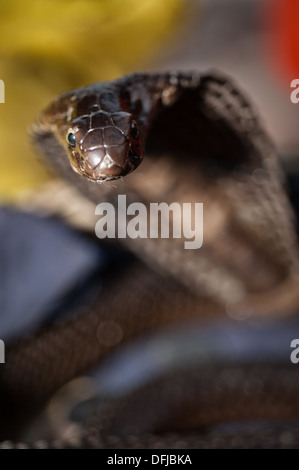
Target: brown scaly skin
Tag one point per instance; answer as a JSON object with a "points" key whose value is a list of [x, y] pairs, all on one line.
{"points": [[208, 133], [102, 130], [202, 143]]}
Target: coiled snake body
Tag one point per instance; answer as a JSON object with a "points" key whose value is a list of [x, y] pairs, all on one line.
{"points": [[202, 142]]}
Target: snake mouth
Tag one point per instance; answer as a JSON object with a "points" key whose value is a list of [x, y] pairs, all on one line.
{"points": [[100, 173], [123, 171], [95, 169]]}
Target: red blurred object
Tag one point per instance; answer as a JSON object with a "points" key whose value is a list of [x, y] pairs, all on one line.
{"points": [[283, 18]]}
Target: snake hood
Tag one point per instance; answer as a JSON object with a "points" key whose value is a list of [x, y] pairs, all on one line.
{"points": [[104, 127]]}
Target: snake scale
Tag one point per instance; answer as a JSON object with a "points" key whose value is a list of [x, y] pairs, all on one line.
{"points": [[166, 137]]}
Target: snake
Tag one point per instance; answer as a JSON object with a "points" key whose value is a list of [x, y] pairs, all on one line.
{"points": [[170, 136]]}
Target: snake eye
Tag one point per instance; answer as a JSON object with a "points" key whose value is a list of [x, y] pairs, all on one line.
{"points": [[134, 130], [71, 139]]}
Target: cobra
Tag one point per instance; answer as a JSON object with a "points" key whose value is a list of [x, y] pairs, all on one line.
{"points": [[174, 136], [103, 127]]}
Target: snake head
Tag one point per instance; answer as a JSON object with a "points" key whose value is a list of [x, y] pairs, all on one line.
{"points": [[104, 146]]}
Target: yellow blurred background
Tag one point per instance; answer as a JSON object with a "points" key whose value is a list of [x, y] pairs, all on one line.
{"points": [[50, 46]]}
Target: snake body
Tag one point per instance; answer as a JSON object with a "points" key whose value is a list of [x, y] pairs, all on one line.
{"points": [[203, 143], [165, 137]]}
